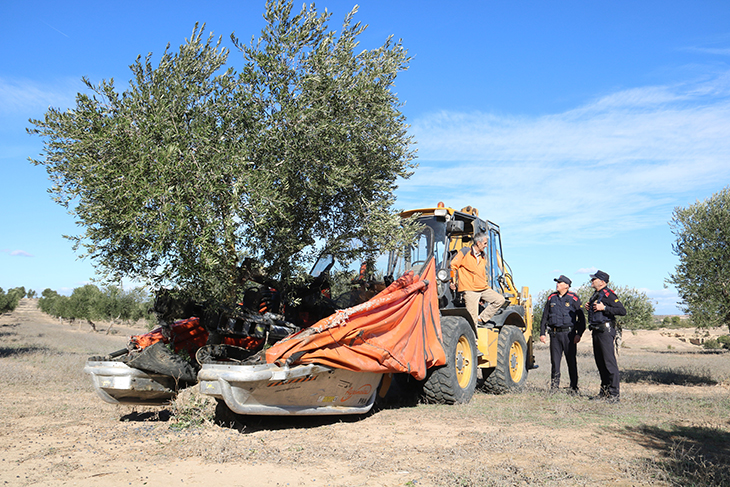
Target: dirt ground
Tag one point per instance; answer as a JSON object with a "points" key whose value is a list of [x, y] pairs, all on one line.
{"points": [[56, 431]]}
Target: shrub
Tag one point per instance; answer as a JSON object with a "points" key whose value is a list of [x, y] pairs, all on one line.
{"points": [[191, 409]]}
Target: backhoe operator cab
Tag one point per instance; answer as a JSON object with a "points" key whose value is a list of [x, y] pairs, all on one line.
{"points": [[496, 358]]}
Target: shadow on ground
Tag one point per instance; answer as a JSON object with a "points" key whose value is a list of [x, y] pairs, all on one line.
{"points": [[226, 418], [693, 455], [679, 377], [23, 350], [163, 416]]}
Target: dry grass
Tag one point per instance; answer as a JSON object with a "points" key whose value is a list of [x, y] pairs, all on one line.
{"points": [[532, 423], [688, 455], [671, 427], [191, 409]]}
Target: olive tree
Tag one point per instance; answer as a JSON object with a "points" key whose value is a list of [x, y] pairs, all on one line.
{"points": [[9, 301], [702, 276], [53, 303], [199, 168]]}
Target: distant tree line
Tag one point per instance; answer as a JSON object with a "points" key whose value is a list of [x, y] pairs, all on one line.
{"points": [[676, 322], [9, 301], [93, 304]]}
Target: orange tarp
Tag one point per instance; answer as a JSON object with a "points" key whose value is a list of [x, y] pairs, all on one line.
{"points": [[398, 330], [188, 335]]}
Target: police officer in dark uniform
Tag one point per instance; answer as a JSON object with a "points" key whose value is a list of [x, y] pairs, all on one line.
{"points": [[603, 307], [564, 320]]}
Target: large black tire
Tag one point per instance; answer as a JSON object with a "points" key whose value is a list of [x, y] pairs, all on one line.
{"points": [[454, 383], [510, 374]]}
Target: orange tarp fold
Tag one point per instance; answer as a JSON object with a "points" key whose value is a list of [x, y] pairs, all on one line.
{"points": [[398, 330]]}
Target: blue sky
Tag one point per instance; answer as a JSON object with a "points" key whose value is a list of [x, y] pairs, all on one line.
{"points": [[576, 126]]}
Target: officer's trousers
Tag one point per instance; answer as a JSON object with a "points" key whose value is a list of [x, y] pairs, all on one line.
{"points": [[563, 343], [605, 356]]}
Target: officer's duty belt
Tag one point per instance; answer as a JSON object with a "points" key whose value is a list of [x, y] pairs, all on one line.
{"points": [[601, 327], [561, 329]]}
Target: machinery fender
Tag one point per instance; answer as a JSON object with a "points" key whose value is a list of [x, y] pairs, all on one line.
{"points": [[512, 315]]}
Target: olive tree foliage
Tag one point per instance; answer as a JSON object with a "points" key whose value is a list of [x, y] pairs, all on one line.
{"points": [[196, 166], [639, 307], [151, 173], [9, 301], [332, 135], [702, 276]]}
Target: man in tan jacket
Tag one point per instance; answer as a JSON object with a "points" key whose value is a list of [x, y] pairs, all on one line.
{"points": [[470, 267]]}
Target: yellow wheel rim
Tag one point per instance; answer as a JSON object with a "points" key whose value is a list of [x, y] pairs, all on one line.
{"points": [[463, 362], [516, 362]]}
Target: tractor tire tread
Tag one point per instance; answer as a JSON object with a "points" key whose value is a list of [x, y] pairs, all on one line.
{"points": [[500, 381], [441, 385]]}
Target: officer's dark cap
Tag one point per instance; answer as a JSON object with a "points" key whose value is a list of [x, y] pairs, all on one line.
{"points": [[563, 279], [600, 275]]}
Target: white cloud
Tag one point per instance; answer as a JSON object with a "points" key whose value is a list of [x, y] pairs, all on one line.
{"points": [[634, 155], [65, 291], [666, 301], [722, 51], [17, 253], [25, 96]]}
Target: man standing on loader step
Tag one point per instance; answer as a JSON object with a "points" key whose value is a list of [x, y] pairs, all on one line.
{"points": [[602, 308], [564, 319], [470, 268]]}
